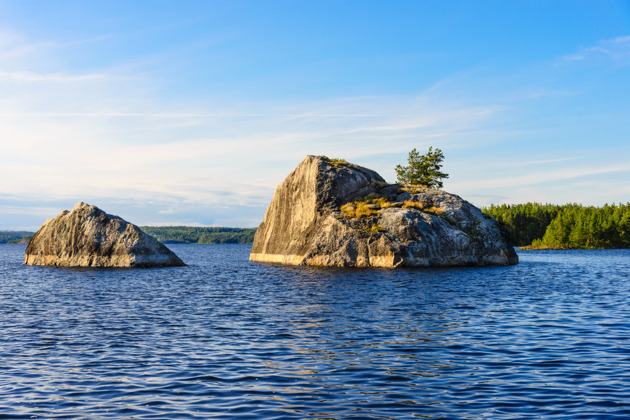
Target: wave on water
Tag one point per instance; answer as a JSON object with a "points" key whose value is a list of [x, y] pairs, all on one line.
{"points": [[227, 338]]}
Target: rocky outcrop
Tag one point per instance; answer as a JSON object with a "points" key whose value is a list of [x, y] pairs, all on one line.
{"points": [[89, 237], [330, 212]]}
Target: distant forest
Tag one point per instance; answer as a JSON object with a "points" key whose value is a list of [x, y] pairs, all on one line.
{"points": [[570, 226], [201, 235], [14, 237], [167, 234]]}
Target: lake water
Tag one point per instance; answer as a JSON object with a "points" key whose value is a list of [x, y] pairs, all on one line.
{"points": [[226, 338]]}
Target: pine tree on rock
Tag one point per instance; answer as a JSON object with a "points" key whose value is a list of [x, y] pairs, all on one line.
{"points": [[422, 169]]}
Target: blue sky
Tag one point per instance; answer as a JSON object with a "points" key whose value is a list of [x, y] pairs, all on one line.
{"points": [[191, 112]]}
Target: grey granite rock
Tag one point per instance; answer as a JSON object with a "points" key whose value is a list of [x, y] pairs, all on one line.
{"points": [[89, 237], [308, 224]]}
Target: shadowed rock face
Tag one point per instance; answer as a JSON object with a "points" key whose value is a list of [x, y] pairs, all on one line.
{"points": [[408, 227], [89, 237]]}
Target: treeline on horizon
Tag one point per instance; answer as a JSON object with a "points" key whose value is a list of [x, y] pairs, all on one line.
{"points": [[15, 236], [569, 226], [166, 234], [201, 235]]}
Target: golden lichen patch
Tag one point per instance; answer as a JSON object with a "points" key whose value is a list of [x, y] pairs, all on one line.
{"points": [[367, 208], [372, 206], [413, 188], [335, 161], [338, 162], [413, 205], [420, 206], [360, 209], [374, 229]]}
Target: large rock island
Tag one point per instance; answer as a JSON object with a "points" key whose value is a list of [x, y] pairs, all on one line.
{"points": [[89, 237], [329, 212]]}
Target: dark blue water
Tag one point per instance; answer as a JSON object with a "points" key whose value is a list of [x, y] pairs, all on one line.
{"points": [[226, 338]]}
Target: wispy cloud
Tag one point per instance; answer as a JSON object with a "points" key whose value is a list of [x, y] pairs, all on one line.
{"points": [[546, 161], [616, 49], [13, 44], [216, 166], [546, 177], [121, 139], [28, 77]]}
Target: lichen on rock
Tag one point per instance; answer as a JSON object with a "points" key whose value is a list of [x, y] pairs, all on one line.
{"points": [[89, 237], [326, 214]]}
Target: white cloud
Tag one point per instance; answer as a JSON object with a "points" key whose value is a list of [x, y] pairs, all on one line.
{"points": [[30, 77], [544, 177], [225, 162], [15, 49], [542, 161], [116, 137], [616, 49]]}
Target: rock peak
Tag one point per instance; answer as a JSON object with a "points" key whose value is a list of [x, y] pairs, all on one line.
{"points": [[86, 236], [329, 212]]}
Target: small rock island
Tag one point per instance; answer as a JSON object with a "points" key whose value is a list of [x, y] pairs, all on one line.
{"points": [[89, 237], [329, 212]]}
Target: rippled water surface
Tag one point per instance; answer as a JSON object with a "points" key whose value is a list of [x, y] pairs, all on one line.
{"points": [[226, 338]]}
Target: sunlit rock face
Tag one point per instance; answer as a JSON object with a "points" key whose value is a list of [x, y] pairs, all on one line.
{"points": [[333, 213], [89, 237]]}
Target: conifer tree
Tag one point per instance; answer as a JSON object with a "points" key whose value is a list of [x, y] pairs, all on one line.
{"points": [[566, 226], [422, 169]]}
